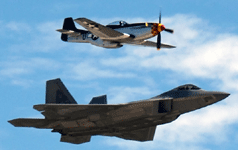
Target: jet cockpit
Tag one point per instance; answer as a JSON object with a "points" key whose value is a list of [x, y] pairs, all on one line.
{"points": [[186, 87]]}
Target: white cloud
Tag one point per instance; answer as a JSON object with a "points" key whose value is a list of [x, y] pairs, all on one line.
{"points": [[18, 27], [127, 94], [18, 69], [90, 70], [22, 82]]}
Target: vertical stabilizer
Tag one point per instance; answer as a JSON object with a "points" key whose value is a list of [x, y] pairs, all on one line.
{"points": [[68, 25], [56, 93], [99, 100]]}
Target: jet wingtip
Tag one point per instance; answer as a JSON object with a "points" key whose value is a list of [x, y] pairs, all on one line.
{"points": [[14, 122]]}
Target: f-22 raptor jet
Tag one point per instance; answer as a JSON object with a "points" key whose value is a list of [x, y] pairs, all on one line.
{"points": [[115, 34], [132, 121]]}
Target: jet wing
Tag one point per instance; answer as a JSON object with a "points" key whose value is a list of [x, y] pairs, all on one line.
{"points": [[28, 122], [100, 30], [153, 44], [73, 111], [75, 139], [145, 134]]}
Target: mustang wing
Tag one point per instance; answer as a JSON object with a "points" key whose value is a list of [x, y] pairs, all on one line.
{"points": [[152, 44], [99, 30]]}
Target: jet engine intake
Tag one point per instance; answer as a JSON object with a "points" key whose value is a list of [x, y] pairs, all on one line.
{"points": [[164, 106]]}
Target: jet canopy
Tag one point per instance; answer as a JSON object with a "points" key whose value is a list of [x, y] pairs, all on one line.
{"points": [[120, 23], [186, 87]]}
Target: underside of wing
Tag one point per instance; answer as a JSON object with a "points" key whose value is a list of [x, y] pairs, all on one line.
{"points": [[75, 139], [152, 44], [99, 30], [145, 134]]}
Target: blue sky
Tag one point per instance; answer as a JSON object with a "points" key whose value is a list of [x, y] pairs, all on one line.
{"points": [[206, 36]]}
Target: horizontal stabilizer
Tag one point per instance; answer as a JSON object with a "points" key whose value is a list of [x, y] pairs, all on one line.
{"points": [[23, 122], [75, 139], [71, 32], [56, 93], [99, 100], [66, 31]]}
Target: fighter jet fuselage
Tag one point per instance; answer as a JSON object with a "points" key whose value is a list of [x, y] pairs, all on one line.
{"points": [[134, 121]]}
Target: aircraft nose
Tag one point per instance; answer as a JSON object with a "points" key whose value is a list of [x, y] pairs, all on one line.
{"points": [[221, 95]]}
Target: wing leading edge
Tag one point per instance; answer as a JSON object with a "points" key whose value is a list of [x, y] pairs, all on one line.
{"points": [[100, 30], [152, 44]]}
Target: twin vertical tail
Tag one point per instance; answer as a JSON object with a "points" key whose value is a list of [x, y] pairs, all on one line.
{"points": [[99, 100], [57, 93]]}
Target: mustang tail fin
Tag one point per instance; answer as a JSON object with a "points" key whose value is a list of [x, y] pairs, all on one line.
{"points": [[69, 29], [68, 25], [99, 100], [57, 93]]}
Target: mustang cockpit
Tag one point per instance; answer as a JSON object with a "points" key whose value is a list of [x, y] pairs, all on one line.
{"points": [[118, 23]]}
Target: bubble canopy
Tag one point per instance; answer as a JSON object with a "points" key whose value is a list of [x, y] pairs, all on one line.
{"points": [[120, 23], [186, 87]]}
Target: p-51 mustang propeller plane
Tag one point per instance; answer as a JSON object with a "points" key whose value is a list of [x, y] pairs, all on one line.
{"points": [[115, 34]]}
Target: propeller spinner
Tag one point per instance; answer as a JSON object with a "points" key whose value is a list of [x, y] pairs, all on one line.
{"points": [[157, 28]]}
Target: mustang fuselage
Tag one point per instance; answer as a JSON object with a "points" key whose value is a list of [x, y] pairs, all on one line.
{"points": [[134, 34], [113, 35]]}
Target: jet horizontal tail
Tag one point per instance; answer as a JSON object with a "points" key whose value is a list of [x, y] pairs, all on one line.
{"points": [[24, 122]]}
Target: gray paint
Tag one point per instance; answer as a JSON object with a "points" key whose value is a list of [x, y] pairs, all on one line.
{"points": [[132, 121]]}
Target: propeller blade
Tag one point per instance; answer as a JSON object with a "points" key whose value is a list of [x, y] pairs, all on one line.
{"points": [[169, 30], [160, 17], [158, 41]]}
